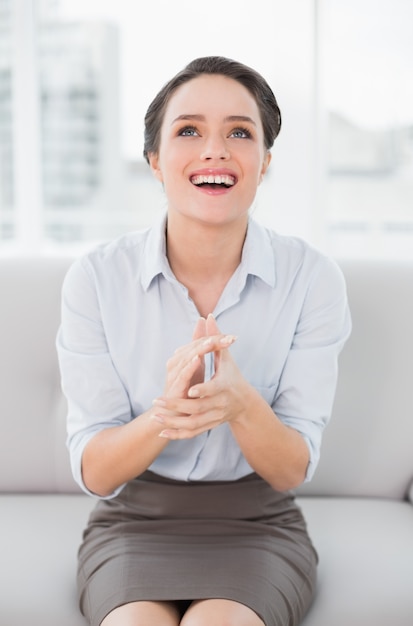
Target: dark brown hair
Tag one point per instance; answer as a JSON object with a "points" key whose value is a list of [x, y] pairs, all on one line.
{"points": [[248, 77]]}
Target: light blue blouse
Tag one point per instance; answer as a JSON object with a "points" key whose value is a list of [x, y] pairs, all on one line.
{"points": [[124, 314]]}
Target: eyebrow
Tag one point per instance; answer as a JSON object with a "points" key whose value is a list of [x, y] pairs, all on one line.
{"points": [[201, 118]]}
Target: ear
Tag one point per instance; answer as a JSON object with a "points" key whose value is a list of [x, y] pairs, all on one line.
{"points": [[265, 164], [155, 166]]}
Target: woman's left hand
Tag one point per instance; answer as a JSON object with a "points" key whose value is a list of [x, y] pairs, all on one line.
{"points": [[209, 404]]}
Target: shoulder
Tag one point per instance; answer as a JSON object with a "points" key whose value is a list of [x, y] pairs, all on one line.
{"points": [[313, 283], [122, 251], [296, 259], [110, 260]]}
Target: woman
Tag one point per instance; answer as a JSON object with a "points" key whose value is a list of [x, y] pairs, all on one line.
{"points": [[199, 359]]}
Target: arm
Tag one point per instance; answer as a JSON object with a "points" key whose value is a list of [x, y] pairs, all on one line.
{"points": [[275, 451], [118, 447], [110, 460], [281, 440], [107, 445]]}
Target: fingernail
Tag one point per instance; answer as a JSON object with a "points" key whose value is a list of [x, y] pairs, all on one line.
{"points": [[164, 434], [157, 418], [159, 402], [207, 342], [228, 339], [193, 393]]}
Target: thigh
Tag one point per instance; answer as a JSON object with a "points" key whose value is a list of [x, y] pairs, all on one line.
{"points": [[143, 614], [216, 612]]}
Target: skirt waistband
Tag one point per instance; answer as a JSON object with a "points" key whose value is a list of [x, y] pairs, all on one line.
{"points": [[154, 497]]}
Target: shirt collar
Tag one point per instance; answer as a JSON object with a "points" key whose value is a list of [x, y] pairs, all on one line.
{"points": [[154, 256], [257, 255]]}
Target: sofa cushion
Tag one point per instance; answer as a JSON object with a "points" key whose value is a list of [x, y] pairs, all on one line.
{"points": [[365, 548], [39, 538]]}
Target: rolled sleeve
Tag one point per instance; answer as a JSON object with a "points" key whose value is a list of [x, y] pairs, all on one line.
{"points": [[308, 383], [96, 397]]}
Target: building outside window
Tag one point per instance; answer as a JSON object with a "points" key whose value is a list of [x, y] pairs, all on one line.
{"points": [[6, 124], [76, 78], [366, 59]]}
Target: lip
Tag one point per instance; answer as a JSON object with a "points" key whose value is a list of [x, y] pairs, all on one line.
{"points": [[214, 171]]}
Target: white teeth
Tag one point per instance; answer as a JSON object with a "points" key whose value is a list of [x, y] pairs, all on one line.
{"points": [[222, 179]]}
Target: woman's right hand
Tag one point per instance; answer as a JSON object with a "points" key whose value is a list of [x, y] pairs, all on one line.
{"points": [[116, 455]]}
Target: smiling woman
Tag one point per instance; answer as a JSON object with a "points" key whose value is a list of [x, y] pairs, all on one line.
{"points": [[192, 134], [191, 414]]}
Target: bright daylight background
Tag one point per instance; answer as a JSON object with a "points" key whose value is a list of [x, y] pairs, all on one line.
{"points": [[76, 77]]}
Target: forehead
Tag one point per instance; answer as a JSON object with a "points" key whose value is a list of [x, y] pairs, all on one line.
{"points": [[212, 95]]}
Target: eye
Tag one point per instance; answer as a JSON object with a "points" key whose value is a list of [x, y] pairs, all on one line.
{"points": [[188, 131], [241, 133]]}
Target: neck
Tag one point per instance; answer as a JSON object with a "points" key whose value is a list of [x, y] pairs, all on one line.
{"points": [[204, 252]]}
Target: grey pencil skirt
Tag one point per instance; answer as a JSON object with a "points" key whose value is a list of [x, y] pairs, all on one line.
{"points": [[162, 539]]}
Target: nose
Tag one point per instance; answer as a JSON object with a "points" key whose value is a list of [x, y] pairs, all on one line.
{"points": [[214, 147]]}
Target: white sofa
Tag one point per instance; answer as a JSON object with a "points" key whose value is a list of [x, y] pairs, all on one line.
{"points": [[358, 507]]}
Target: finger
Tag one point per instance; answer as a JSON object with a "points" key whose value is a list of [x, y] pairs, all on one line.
{"points": [[200, 329], [187, 429], [225, 375], [216, 342], [175, 435], [211, 325], [204, 390], [213, 329], [187, 414], [182, 378], [182, 406], [199, 332], [199, 347]]}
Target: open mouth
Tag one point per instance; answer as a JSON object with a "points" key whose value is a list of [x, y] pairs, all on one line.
{"points": [[214, 182]]}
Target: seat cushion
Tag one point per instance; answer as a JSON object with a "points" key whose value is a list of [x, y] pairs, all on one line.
{"points": [[366, 561], [39, 536], [365, 548]]}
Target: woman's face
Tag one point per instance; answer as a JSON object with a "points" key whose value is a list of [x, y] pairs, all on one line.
{"points": [[212, 155]]}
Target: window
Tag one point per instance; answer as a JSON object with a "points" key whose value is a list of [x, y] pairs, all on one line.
{"points": [[366, 81], [6, 137], [94, 68], [76, 78]]}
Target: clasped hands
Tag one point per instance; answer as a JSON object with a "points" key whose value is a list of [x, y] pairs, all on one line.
{"points": [[191, 406]]}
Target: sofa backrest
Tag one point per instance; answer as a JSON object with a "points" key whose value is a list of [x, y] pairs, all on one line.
{"points": [[368, 445], [33, 455]]}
